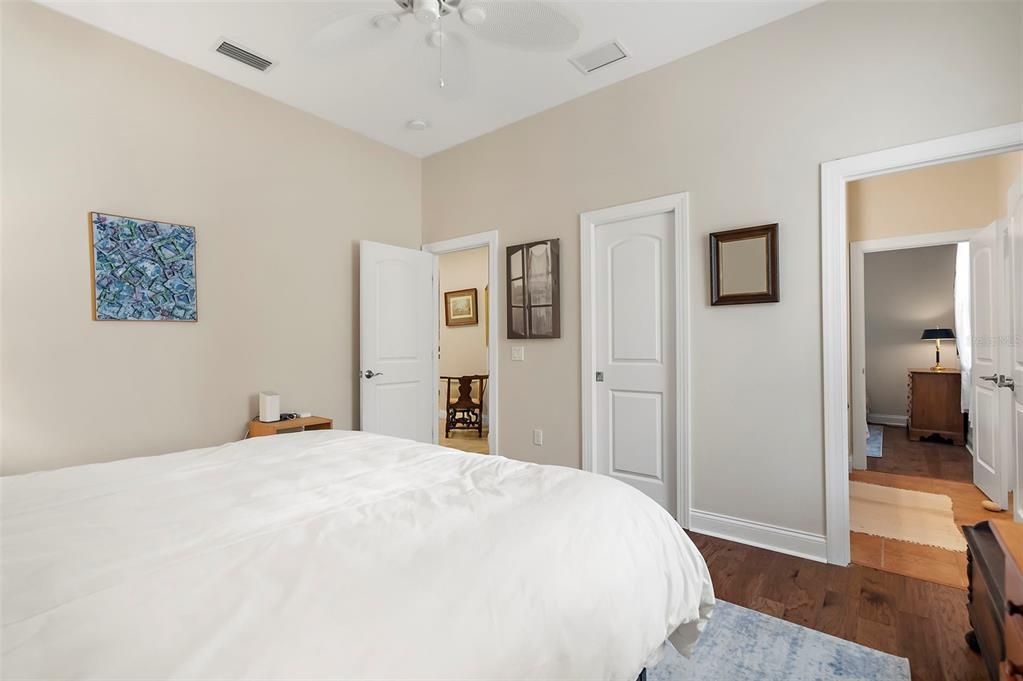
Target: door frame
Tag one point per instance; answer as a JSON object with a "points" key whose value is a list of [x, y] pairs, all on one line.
{"points": [[858, 317], [465, 243], [835, 175], [678, 204]]}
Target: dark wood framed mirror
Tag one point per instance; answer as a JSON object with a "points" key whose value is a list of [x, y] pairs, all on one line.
{"points": [[744, 266]]}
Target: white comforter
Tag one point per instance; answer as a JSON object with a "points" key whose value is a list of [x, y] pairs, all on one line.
{"points": [[339, 555]]}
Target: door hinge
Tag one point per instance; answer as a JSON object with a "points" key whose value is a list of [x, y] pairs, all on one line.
{"points": [[600, 377]]}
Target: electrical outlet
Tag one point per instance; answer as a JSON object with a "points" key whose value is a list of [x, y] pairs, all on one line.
{"points": [[537, 437], [518, 353]]}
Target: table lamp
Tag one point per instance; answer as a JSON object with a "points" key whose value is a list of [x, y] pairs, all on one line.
{"points": [[937, 335]]}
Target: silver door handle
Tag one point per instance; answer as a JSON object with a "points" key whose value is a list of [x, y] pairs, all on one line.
{"points": [[369, 373], [993, 379], [1006, 382]]}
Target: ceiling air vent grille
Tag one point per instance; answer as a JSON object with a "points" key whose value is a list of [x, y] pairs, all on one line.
{"points": [[599, 57], [244, 56]]}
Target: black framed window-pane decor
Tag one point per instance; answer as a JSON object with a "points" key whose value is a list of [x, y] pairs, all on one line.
{"points": [[534, 291]]}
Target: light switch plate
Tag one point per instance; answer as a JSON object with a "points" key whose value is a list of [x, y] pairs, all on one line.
{"points": [[537, 437], [518, 353]]}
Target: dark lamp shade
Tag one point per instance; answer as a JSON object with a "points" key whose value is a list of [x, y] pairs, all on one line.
{"points": [[938, 334]]}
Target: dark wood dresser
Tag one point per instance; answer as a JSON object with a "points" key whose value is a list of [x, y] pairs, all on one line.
{"points": [[1010, 538], [933, 404], [995, 569]]}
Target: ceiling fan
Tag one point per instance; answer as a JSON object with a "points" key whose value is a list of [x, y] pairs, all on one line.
{"points": [[446, 25]]}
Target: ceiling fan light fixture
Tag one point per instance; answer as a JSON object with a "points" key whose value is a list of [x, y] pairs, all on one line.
{"points": [[385, 22], [436, 38], [474, 15], [426, 11]]}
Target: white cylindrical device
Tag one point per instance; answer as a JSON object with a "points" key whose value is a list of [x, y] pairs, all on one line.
{"points": [[269, 407]]}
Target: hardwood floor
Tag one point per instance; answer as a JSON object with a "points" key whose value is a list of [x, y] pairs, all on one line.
{"points": [[915, 560], [906, 558], [938, 460], [465, 440], [922, 621]]}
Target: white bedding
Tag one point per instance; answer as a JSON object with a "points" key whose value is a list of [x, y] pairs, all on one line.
{"points": [[339, 555]]}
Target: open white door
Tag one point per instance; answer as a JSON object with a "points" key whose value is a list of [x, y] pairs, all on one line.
{"points": [[397, 341], [1014, 382], [986, 292]]}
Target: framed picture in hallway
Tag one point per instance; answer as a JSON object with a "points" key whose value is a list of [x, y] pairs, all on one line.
{"points": [[460, 307], [534, 290]]}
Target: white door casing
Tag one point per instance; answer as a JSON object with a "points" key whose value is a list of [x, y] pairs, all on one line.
{"points": [[857, 323], [397, 332], [1015, 206], [635, 333], [835, 176], [986, 289], [461, 243]]}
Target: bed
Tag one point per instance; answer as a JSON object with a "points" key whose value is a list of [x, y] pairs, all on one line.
{"points": [[339, 555]]}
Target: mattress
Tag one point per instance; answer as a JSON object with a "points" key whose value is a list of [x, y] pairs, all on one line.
{"points": [[339, 555]]}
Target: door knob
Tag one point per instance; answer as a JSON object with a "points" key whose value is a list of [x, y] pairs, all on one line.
{"points": [[993, 378], [369, 373], [1006, 382]]}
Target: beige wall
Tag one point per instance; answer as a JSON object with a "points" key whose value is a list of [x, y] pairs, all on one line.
{"points": [[1010, 170], [279, 199], [743, 127], [904, 293], [951, 196], [463, 349]]}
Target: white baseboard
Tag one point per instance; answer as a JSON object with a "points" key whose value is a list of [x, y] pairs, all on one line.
{"points": [[772, 537], [887, 419]]}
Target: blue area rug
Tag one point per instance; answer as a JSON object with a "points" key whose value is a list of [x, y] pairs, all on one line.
{"points": [[875, 440], [744, 645]]}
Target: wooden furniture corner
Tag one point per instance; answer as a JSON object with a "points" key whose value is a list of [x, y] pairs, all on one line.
{"points": [[258, 428], [933, 405], [1010, 537]]}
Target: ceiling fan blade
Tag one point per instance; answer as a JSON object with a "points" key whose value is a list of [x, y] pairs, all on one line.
{"points": [[526, 24], [361, 26]]}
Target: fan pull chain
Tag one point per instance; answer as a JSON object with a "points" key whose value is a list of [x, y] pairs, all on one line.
{"points": [[440, 48]]}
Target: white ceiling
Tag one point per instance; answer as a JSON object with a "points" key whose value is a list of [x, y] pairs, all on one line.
{"points": [[374, 82]]}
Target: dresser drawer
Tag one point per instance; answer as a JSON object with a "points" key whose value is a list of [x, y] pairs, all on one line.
{"points": [[1013, 595], [1012, 666]]}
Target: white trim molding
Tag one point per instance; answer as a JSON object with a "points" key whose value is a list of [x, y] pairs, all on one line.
{"points": [[888, 420], [835, 303], [858, 326], [678, 206], [464, 243], [771, 537]]}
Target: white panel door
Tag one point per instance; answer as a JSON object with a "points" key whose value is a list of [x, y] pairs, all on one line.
{"points": [[1016, 359], [634, 348], [986, 282], [397, 341]]}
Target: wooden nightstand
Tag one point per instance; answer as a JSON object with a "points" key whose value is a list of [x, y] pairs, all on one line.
{"points": [[257, 428], [933, 407]]}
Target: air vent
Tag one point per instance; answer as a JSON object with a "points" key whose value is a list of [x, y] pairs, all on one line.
{"points": [[244, 56], [599, 57]]}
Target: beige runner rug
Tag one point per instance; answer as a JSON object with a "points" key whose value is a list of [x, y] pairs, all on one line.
{"points": [[906, 515]]}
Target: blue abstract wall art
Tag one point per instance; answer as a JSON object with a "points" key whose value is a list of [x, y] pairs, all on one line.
{"points": [[142, 270]]}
